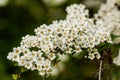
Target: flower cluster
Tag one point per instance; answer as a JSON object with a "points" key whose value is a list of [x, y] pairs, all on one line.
{"points": [[109, 14], [77, 32]]}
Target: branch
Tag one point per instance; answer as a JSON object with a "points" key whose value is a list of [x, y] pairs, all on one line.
{"points": [[44, 77], [100, 69]]}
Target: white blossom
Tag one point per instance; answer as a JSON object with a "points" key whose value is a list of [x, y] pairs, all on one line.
{"points": [[77, 32], [3, 2], [117, 59], [109, 16]]}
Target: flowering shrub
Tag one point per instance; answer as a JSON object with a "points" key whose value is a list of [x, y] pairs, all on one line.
{"points": [[75, 34]]}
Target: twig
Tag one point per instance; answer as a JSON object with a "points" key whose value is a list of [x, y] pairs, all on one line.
{"points": [[100, 69], [44, 77]]}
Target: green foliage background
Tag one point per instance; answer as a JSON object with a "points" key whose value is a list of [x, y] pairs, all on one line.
{"points": [[21, 17]]}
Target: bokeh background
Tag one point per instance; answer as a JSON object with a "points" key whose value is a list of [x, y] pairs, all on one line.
{"points": [[20, 17]]}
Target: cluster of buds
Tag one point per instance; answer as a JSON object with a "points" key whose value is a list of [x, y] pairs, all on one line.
{"points": [[72, 35]]}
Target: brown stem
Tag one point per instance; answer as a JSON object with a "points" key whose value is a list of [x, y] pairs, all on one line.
{"points": [[100, 69]]}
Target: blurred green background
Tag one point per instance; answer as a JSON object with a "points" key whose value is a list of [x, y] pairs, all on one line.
{"points": [[20, 17]]}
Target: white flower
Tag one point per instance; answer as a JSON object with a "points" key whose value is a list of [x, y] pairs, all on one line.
{"points": [[3, 2], [47, 66], [17, 50], [28, 65], [116, 60], [26, 51], [45, 48], [78, 49], [98, 56], [39, 67], [10, 55], [42, 72], [21, 62], [15, 57], [33, 55], [91, 56], [51, 56]]}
